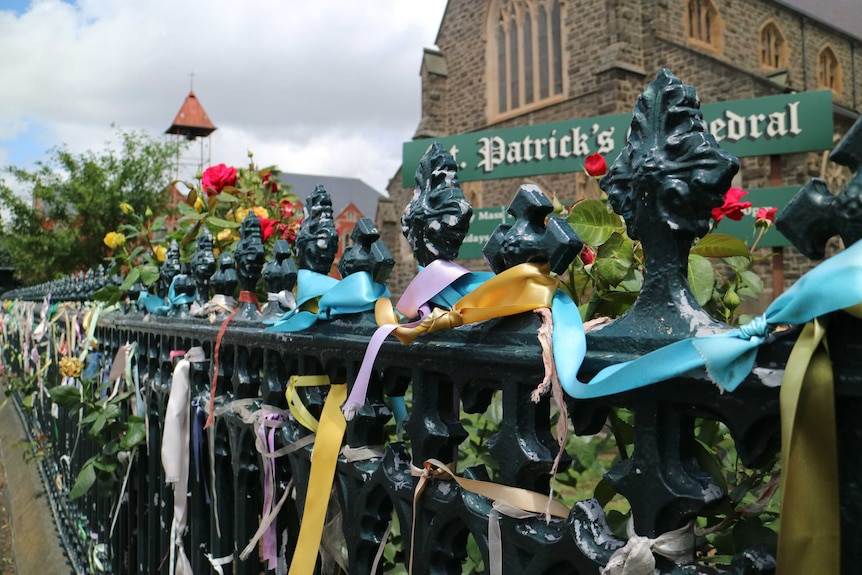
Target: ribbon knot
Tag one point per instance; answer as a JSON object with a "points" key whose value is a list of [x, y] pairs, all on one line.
{"points": [[758, 327], [637, 557]]}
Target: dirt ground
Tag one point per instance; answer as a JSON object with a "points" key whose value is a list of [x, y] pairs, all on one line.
{"points": [[7, 560]]}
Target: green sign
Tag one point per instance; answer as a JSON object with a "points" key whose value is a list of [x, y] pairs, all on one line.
{"points": [[783, 124], [485, 221]]}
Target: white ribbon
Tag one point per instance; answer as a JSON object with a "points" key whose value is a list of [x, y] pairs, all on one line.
{"points": [[217, 562], [284, 298], [636, 556], [175, 455]]}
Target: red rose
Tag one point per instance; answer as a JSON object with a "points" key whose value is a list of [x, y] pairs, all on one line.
{"points": [[766, 214], [732, 207], [217, 178], [588, 256], [267, 178], [595, 165], [286, 208], [267, 227]]}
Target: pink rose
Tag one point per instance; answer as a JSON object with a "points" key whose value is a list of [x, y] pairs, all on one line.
{"points": [[217, 178]]}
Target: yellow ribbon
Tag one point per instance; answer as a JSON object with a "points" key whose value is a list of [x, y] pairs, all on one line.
{"points": [[809, 540], [330, 433], [521, 288], [297, 408]]}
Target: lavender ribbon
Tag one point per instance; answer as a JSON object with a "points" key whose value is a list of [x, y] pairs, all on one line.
{"points": [[429, 283]]}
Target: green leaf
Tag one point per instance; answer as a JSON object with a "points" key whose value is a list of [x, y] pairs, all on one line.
{"points": [[86, 479], [135, 435], [149, 274], [67, 396], [222, 224], [738, 263], [751, 280], [131, 279], [701, 278], [720, 246], [617, 246], [107, 293], [105, 463], [612, 270], [227, 198], [592, 221]]}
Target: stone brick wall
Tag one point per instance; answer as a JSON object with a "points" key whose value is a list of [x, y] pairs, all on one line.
{"points": [[612, 49]]}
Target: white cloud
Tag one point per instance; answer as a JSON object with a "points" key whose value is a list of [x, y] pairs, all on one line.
{"points": [[329, 86]]}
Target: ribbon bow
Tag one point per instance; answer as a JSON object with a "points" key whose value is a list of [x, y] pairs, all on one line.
{"points": [[323, 297], [728, 357]]}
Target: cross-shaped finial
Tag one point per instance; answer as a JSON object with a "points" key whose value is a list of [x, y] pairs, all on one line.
{"points": [[530, 238], [191, 81], [367, 254], [814, 214]]}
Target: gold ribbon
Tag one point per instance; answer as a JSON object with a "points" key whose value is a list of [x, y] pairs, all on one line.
{"points": [[297, 408], [809, 540], [330, 432], [521, 288]]}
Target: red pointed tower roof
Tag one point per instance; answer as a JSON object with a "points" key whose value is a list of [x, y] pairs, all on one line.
{"points": [[191, 121]]}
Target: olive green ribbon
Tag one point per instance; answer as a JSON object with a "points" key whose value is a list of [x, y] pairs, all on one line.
{"points": [[809, 540]]}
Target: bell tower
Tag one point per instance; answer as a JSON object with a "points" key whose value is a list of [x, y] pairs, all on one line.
{"points": [[192, 123]]}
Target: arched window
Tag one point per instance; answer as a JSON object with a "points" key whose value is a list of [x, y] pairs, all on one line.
{"points": [[773, 47], [828, 70], [525, 55], [703, 24]]}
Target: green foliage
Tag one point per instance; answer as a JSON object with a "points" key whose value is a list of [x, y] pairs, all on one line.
{"points": [[107, 426], [74, 199]]}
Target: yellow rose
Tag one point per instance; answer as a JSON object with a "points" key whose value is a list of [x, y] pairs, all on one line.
{"points": [[114, 240], [225, 235], [71, 366], [199, 205], [159, 253], [260, 212], [127, 208], [240, 214]]}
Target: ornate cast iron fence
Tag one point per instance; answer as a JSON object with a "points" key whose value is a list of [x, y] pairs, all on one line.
{"points": [[665, 182]]}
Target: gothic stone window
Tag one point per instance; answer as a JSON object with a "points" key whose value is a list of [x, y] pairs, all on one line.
{"points": [[773, 47], [525, 55], [704, 25], [828, 70]]}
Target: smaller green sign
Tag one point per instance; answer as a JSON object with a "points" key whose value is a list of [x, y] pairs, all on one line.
{"points": [[482, 225]]}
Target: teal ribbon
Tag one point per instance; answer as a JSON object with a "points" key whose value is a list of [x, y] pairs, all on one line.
{"points": [[163, 307], [449, 295], [354, 294], [729, 357]]}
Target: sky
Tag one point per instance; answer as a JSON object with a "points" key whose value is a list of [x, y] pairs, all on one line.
{"points": [[323, 87]]}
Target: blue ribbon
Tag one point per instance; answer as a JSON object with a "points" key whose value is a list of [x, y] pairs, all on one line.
{"points": [[833, 285], [449, 295], [354, 294]]}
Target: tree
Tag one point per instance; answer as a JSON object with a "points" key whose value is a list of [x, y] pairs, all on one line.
{"points": [[76, 201]]}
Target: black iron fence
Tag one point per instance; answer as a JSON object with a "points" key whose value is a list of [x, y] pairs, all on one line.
{"points": [[385, 493]]}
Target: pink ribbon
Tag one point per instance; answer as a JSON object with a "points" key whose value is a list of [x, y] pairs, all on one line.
{"points": [[266, 432]]}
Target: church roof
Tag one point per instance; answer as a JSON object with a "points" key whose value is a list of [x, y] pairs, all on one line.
{"points": [[344, 191], [191, 121], [843, 15]]}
